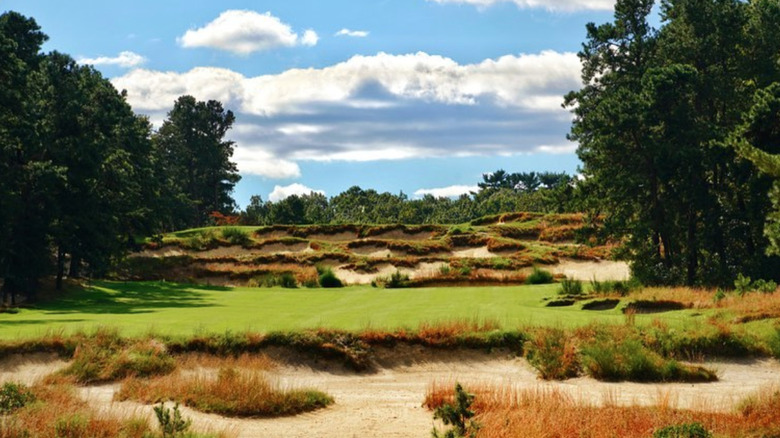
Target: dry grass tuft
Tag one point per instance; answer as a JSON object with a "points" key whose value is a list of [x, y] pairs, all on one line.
{"points": [[245, 393]]}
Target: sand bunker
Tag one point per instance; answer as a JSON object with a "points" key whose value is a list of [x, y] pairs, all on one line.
{"points": [[388, 403], [422, 270], [480, 252], [588, 270], [29, 368]]}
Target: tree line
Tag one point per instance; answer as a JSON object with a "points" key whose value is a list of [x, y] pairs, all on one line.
{"points": [[82, 175], [657, 121], [499, 192]]}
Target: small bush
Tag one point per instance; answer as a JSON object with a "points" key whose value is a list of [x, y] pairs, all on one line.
{"points": [[742, 284], [14, 396], [171, 422], [397, 280], [328, 279], [539, 276], [765, 286], [71, 426], [570, 287], [687, 430], [236, 236], [445, 270], [287, 280], [553, 353], [459, 415]]}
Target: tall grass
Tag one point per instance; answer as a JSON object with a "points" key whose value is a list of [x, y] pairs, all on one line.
{"points": [[231, 393], [106, 357], [508, 412]]}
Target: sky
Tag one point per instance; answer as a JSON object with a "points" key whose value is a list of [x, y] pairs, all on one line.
{"points": [[413, 96]]}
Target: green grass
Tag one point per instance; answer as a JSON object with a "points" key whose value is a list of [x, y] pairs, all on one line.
{"points": [[138, 308]]}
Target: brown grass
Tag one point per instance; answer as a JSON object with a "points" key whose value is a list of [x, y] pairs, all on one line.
{"points": [[507, 412], [233, 392], [750, 306], [58, 413]]}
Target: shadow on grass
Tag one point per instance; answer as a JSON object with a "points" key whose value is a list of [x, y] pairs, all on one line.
{"points": [[12, 322], [128, 298]]}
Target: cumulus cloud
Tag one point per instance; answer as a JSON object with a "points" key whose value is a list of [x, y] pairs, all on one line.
{"points": [[381, 107], [282, 192], [447, 192], [125, 59], [550, 5], [243, 32], [352, 33]]}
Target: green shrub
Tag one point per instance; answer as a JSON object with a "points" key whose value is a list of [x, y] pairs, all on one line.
{"points": [[236, 236], [621, 288], [539, 276], [553, 353], [397, 280], [720, 294], [570, 287], [742, 284], [328, 279], [287, 280], [459, 415], [765, 286], [687, 430], [607, 358], [444, 270], [171, 422], [14, 396]]}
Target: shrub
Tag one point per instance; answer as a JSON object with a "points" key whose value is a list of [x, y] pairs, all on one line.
{"points": [[553, 353], [236, 236], [287, 280], [71, 426], [611, 359], [171, 422], [328, 279], [570, 287], [397, 280], [458, 415], [765, 286], [14, 396], [539, 276], [742, 284], [687, 430]]}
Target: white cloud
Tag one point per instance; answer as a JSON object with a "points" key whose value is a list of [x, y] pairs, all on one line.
{"points": [[550, 5], [447, 192], [125, 59], [281, 192], [243, 32], [381, 107], [352, 33], [310, 38]]}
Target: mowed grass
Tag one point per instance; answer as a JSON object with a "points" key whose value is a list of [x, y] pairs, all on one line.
{"points": [[137, 308]]}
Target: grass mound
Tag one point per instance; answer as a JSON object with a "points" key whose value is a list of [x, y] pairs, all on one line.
{"points": [[106, 357], [232, 393]]}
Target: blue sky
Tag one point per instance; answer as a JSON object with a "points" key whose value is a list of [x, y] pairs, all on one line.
{"points": [[419, 96]]}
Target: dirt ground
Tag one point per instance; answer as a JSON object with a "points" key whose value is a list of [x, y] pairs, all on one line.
{"points": [[387, 403]]}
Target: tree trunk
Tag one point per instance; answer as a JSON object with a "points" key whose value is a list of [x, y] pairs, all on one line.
{"points": [[60, 267], [75, 266], [692, 257]]}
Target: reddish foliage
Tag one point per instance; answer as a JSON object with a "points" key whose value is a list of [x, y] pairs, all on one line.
{"points": [[223, 219]]}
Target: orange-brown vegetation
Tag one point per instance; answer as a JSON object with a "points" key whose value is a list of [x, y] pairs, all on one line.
{"points": [[507, 412], [232, 392]]}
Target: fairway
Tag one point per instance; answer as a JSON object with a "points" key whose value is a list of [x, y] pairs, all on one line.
{"points": [[137, 308]]}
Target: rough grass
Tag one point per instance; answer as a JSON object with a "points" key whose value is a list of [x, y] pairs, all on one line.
{"points": [[58, 412], [106, 357], [506, 412], [233, 392]]}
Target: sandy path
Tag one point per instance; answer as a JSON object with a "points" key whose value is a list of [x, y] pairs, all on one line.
{"points": [[29, 368], [388, 402]]}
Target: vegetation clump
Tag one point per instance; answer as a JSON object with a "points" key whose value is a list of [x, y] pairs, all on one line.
{"points": [[328, 279], [539, 276], [570, 287], [232, 393], [14, 396], [458, 414], [685, 430], [553, 353]]}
